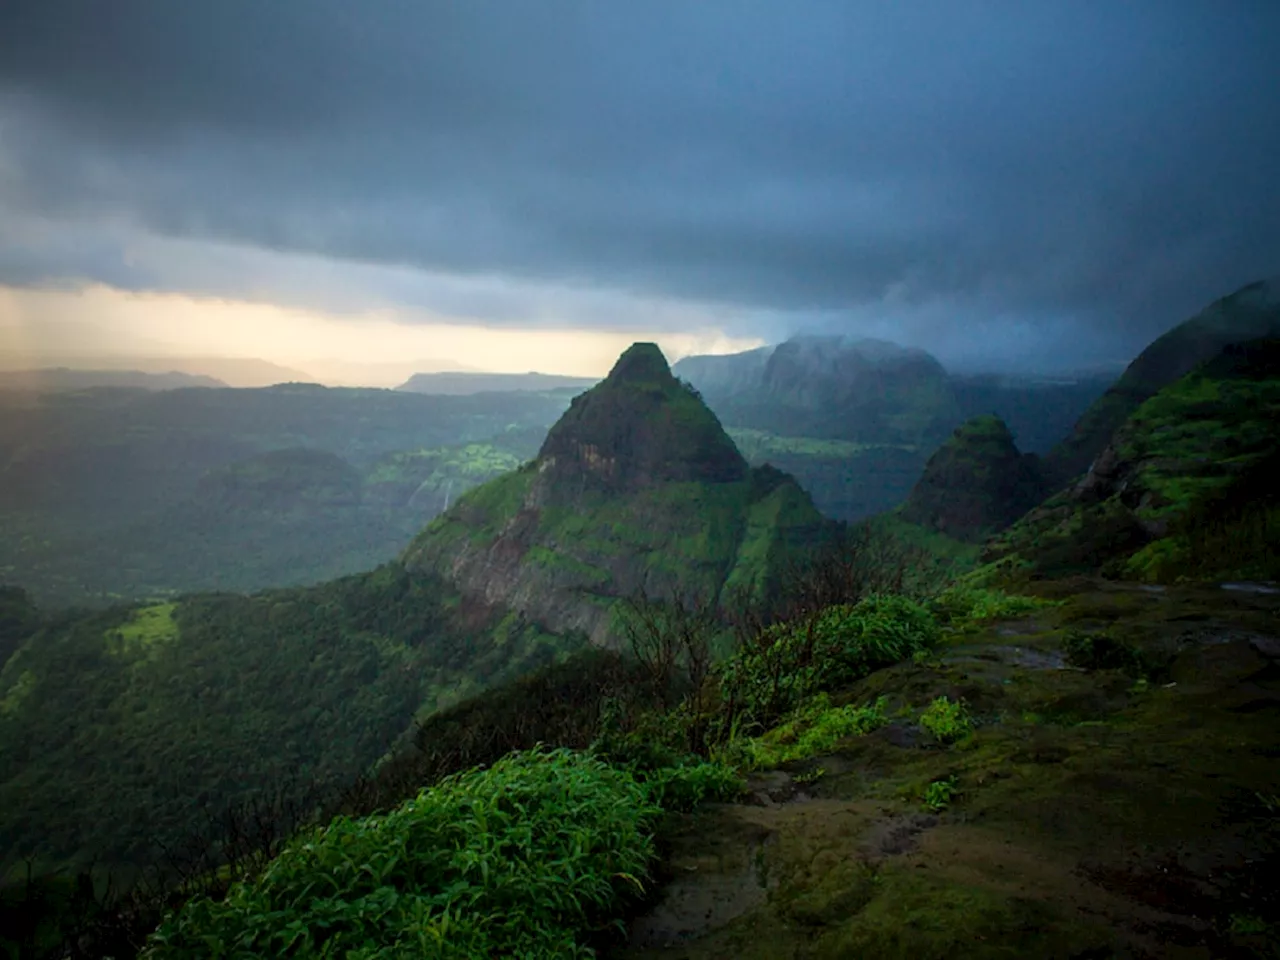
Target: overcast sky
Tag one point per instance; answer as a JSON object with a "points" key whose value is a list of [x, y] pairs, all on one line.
{"points": [[1041, 183]]}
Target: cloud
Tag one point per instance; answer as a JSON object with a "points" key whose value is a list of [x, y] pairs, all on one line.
{"points": [[1094, 172]]}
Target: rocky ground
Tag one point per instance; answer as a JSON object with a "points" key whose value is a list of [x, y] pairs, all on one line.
{"points": [[1129, 811]]}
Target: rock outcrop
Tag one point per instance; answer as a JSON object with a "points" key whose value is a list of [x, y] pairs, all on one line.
{"points": [[976, 483]]}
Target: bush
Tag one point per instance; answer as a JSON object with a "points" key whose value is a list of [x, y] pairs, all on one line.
{"points": [[813, 730], [939, 794], [789, 662], [948, 720], [685, 785], [521, 859], [962, 606]]}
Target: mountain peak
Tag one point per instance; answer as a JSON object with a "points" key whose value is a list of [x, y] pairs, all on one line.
{"points": [[637, 427], [641, 363], [975, 483]]}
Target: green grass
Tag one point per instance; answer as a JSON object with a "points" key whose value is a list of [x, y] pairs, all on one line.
{"points": [[759, 445], [146, 628], [525, 858], [790, 662], [813, 730], [964, 607]]}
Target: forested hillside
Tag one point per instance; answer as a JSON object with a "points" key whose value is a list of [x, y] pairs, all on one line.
{"points": [[114, 494]]}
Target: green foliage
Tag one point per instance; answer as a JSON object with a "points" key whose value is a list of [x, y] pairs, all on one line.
{"points": [[812, 730], [1186, 489], [947, 720], [939, 794], [19, 618], [113, 744], [525, 858], [792, 661], [691, 781], [1244, 315], [960, 607]]}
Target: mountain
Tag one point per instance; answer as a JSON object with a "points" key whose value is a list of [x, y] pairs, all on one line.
{"points": [[637, 487], [725, 375], [118, 726], [356, 373], [229, 371], [869, 391], [1184, 487], [975, 483], [854, 420], [111, 494], [466, 382], [63, 378], [1251, 312]]}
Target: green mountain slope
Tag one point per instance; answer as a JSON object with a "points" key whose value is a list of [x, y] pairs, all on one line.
{"points": [[125, 731], [1184, 488], [121, 731], [1247, 314], [637, 487]]}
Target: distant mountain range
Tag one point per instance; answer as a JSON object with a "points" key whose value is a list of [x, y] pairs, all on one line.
{"points": [[459, 383], [227, 371], [57, 379]]}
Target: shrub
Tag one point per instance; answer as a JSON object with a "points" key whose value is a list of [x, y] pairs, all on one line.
{"points": [[788, 662], [948, 720], [519, 859], [813, 730], [685, 785], [939, 794], [962, 606]]}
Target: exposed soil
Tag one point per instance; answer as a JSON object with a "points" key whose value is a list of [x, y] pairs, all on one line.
{"points": [[1096, 816]]}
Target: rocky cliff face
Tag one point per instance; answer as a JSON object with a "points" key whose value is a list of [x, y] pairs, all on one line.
{"points": [[976, 483], [636, 487]]}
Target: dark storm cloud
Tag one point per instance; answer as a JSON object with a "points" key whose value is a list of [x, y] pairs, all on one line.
{"points": [[1107, 165]]}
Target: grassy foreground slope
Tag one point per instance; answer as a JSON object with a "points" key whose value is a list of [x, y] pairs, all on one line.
{"points": [[1093, 779]]}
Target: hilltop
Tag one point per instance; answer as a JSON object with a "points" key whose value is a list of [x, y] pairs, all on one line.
{"points": [[636, 487], [975, 483]]}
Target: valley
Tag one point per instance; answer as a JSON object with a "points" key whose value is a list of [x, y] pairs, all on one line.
{"points": [[1003, 715]]}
